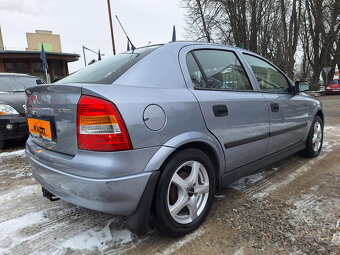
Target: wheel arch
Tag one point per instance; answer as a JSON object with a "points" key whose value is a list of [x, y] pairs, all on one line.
{"points": [[196, 140], [320, 114]]}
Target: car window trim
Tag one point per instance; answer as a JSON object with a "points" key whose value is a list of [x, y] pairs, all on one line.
{"points": [[277, 69], [200, 67], [205, 77], [234, 90]]}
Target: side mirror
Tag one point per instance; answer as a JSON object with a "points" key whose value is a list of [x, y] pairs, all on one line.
{"points": [[301, 86]]}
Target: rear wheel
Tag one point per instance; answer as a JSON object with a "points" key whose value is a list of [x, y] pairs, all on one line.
{"points": [[185, 193], [314, 139]]}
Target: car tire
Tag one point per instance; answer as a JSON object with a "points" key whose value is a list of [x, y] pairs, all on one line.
{"points": [[314, 139], [187, 181]]}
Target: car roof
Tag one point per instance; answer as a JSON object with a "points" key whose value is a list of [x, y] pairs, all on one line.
{"points": [[186, 43], [17, 75]]}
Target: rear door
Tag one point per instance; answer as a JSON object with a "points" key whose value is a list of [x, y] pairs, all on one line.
{"points": [[289, 112], [235, 113]]}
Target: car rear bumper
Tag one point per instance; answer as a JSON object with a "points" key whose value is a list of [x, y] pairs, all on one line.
{"points": [[18, 126], [118, 196]]}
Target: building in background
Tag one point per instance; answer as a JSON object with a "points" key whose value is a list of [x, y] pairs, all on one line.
{"points": [[51, 41], [28, 61]]}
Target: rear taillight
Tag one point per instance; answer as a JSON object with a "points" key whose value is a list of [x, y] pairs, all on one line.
{"points": [[100, 126]]}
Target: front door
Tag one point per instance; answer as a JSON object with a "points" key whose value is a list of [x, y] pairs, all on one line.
{"points": [[288, 111]]}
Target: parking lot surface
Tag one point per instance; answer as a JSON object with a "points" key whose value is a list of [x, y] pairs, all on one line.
{"points": [[290, 207]]}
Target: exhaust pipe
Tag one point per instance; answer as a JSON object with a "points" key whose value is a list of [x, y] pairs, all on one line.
{"points": [[49, 195]]}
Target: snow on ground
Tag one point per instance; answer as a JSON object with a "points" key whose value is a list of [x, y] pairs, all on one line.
{"points": [[247, 180], [336, 235], [17, 193], [79, 230], [184, 240], [10, 230], [99, 238], [12, 154]]}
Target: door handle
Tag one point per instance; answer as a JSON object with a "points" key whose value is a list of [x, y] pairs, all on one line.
{"points": [[220, 110], [275, 107]]}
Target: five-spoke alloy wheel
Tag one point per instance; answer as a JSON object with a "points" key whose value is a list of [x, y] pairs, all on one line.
{"points": [[185, 192], [317, 136], [314, 139]]}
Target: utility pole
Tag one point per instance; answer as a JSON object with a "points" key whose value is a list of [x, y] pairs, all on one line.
{"points": [[112, 38]]}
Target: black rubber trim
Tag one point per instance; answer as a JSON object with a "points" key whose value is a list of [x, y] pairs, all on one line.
{"points": [[139, 221], [263, 136], [282, 131], [247, 140], [253, 167]]}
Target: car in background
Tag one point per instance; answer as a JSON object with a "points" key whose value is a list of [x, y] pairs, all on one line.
{"points": [[151, 133], [334, 87], [13, 124]]}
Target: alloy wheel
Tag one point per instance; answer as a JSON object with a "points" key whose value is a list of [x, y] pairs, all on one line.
{"points": [[317, 136], [188, 192]]}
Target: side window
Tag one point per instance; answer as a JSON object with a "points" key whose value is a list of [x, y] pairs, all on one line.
{"points": [[268, 77], [222, 70], [195, 73]]}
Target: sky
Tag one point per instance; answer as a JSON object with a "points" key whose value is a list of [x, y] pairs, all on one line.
{"points": [[86, 22]]}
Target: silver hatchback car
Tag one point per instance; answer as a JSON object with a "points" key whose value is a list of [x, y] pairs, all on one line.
{"points": [[151, 133]]}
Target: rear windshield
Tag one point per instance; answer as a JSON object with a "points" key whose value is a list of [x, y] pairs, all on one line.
{"points": [[17, 84], [109, 69]]}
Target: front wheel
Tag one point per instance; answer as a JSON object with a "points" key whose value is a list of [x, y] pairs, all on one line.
{"points": [[185, 193], [314, 139]]}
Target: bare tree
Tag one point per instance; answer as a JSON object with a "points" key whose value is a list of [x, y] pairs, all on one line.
{"points": [[276, 29], [292, 14], [201, 17], [322, 23]]}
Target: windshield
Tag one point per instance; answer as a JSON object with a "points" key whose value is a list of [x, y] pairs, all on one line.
{"points": [[108, 69], [17, 84]]}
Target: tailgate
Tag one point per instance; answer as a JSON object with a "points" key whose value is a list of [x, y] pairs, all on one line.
{"points": [[52, 116]]}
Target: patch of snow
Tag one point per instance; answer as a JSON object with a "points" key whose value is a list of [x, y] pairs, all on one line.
{"points": [[15, 194], [219, 196], [336, 235], [243, 182], [267, 191], [13, 153], [186, 239], [239, 252], [19, 175], [300, 171], [97, 238], [10, 230]]}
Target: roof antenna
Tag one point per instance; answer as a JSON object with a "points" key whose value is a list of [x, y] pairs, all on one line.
{"points": [[132, 46]]}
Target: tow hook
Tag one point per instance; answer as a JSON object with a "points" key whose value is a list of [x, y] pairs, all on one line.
{"points": [[49, 195]]}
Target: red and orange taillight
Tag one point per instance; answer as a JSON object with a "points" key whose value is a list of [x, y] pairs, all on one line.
{"points": [[100, 126]]}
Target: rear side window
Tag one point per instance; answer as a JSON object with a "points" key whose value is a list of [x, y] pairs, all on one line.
{"points": [[222, 70], [268, 77]]}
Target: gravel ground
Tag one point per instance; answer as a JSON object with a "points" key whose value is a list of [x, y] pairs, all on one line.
{"points": [[290, 207]]}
